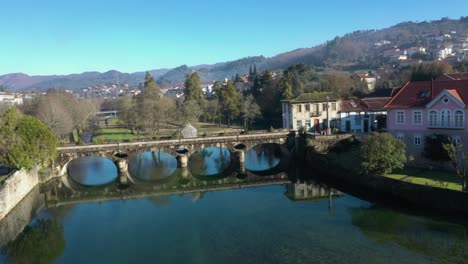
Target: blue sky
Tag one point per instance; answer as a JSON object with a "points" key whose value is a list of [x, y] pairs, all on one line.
{"points": [[62, 37]]}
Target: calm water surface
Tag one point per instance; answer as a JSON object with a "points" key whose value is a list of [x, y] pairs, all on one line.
{"points": [[209, 161]]}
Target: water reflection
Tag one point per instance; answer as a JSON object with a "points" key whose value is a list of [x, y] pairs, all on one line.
{"points": [[40, 242], [209, 161], [152, 166], [92, 171], [441, 242], [263, 157]]}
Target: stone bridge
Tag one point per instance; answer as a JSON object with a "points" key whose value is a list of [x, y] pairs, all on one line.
{"points": [[120, 153]]}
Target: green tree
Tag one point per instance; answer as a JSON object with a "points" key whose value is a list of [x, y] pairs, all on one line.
{"points": [[149, 107], [430, 71], [25, 141], [41, 243], [193, 90], [381, 153], [229, 98], [189, 112]]}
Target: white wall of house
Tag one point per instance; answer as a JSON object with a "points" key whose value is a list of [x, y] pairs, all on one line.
{"points": [[359, 122], [312, 115]]}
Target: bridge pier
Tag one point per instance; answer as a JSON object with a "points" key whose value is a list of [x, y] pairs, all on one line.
{"points": [[240, 158], [122, 168], [182, 160]]}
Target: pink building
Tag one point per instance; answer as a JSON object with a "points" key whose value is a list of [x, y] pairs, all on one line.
{"points": [[422, 109]]}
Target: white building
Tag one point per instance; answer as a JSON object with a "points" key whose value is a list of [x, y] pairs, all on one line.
{"points": [[363, 115], [311, 110], [10, 99]]}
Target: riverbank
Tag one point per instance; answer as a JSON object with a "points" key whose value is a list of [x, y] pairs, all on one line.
{"points": [[342, 171]]}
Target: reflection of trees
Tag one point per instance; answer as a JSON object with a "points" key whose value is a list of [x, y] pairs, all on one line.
{"points": [[267, 156], [160, 201], [443, 242], [207, 159], [42, 243], [152, 165]]}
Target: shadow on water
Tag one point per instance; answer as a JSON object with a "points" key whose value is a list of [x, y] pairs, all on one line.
{"points": [[442, 242]]}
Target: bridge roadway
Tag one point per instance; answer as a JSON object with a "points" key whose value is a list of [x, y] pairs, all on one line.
{"points": [[260, 138]]}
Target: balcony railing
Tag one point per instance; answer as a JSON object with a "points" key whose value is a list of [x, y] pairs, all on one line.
{"points": [[445, 126], [315, 114]]}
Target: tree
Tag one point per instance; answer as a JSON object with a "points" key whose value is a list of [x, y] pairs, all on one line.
{"points": [[381, 153], [249, 110], [127, 111], [229, 98], [458, 160], [430, 71], [193, 90], [189, 112], [149, 107], [25, 141], [434, 147]]}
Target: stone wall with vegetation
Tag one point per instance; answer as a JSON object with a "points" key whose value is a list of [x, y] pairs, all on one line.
{"points": [[15, 188]]}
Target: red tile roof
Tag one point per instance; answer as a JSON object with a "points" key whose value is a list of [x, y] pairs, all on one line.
{"points": [[453, 76], [364, 104], [418, 94]]}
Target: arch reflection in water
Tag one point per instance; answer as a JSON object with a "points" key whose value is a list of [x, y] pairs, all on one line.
{"points": [[92, 171], [152, 166], [263, 157], [209, 161]]}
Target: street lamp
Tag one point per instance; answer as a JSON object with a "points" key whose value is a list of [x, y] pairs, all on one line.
{"points": [[328, 116]]}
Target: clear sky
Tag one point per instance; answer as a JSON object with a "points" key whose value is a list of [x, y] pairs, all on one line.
{"points": [[39, 37]]}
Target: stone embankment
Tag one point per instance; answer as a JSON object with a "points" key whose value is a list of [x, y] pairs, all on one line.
{"points": [[15, 188]]}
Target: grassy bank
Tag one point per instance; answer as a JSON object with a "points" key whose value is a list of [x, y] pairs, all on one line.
{"points": [[348, 159], [434, 178], [114, 134]]}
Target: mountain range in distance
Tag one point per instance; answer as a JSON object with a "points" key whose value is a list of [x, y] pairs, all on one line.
{"points": [[351, 49]]}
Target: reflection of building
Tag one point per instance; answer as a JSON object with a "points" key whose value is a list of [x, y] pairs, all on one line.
{"points": [[309, 191], [311, 111]]}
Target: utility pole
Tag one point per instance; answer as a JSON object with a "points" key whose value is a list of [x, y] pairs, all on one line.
{"points": [[328, 117]]}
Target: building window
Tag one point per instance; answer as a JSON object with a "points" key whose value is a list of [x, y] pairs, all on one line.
{"points": [[333, 106], [417, 140], [299, 124], [400, 136], [307, 124], [417, 118], [458, 119], [400, 117], [433, 118], [299, 108], [315, 108], [307, 107], [324, 107], [445, 118]]}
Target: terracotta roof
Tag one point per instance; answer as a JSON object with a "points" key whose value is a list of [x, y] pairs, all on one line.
{"points": [[453, 76], [418, 94], [455, 94], [364, 104]]}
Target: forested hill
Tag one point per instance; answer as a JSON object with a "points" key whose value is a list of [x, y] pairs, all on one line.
{"points": [[357, 50]]}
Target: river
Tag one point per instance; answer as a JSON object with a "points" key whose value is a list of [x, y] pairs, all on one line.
{"points": [[204, 215]]}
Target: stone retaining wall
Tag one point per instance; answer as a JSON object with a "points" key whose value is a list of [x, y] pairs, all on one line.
{"points": [[15, 188]]}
